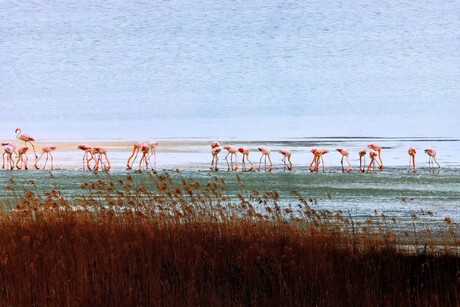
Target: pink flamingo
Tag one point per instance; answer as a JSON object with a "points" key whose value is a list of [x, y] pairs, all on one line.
{"points": [[100, 151], [136, 148], [215, 144], [317, 158], [232, 150], [215, 159], [345, 155], [373, 155], [8, 151], [22, 157], [362, 156], [145, 148], [377, 148], [286, 155], [153, 145], [46, 150], [87, 149], [26, 138], [265, 153], [412, 153], [432, 157], [245, 153]]}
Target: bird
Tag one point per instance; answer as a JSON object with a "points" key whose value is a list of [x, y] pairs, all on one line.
{"points": [[46, 150], [26, 138], [87, 154], [9, 149], [245, 152], [265, 153], [286, 155], [372, 155], [345, 155], [378, 149], [362, 156], [100, 151], [232, 150], [317, 158], [412, 153], [215, 144], [145, 148], [215, 159], [152, 146], [432, 157], [136, 148], [22, 157]]}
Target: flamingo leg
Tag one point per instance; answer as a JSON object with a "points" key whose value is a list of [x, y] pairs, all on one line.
{"points": [[260, 162], [439, 166], [349, 165], [252, 164], [135, 152], [380, 158], [341, 162], [33, 147], [44, 165], [107, 160], [38, 159], [290, 164], [236, 162], [52, 161], [271, 163], [323, 163], [243, 163], [226, 159], [25, 159]]}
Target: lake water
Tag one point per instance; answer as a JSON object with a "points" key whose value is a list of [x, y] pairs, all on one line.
{"points": [[282, 74]]}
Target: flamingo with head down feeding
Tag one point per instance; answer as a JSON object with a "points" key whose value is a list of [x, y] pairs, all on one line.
{"points": [[317, 158], [232, 150], [9, 150], [22, 157], [153, 148], [145, 148], [86, 156], [46, 150], [286, 156], [412, 153], [245, 153], [215, 159], [432, 157], [373, 155], [378, 149], [345, 155], [265, 153], [100, 151]]}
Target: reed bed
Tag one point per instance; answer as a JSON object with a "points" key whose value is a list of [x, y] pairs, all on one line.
{"points": [[180, 242]]}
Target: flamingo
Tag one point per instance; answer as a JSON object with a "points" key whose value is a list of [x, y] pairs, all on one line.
{"points": [[265, 153], [145, 148], [22, 157], [87, 149], [100, 151], [245, 153], [136, 148], [232, 150], [362, 156], [372, 155], [46, 150], [412, 153], [432, 157], [8, 151], [377, 148], [215, 159], [286, 155], [215, 144], [26, 138], [317, 158], [153, 145], [345, 155]]}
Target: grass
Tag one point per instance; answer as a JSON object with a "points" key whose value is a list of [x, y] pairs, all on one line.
{"points": [[176, 243]]}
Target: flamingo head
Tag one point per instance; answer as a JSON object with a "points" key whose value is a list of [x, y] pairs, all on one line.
{"points": [[372, 154], [17, 129], [24, 149], [53, 147], [412, 151], [145, 147], [227, 147], [215, 144], [362, 152], [242, 149], [84, 147]]}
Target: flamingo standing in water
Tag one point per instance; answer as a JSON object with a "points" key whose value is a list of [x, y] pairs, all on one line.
{"points": [[8, 151], [377, 148], [215, 159], [412, 153], [46, 150], [432, 157], [145, 148], [100, 151], [87, 149], [265, 153], [22, 157], [373, 155], [232, 150], [345, 155], [317, 158], [362, 156], [136, 148], [245, 153], [26, 138], [286, 155]]}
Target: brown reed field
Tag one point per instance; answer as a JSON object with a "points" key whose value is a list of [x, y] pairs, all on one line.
{"points": [[184, 243]]}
